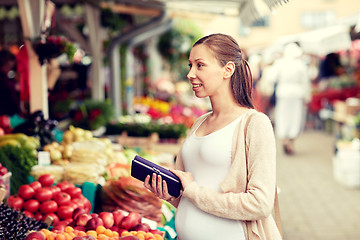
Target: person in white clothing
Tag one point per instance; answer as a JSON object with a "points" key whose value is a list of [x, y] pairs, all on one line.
{"points": [[227, 164], [293, 92]]}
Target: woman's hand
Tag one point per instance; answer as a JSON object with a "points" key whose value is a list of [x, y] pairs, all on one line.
{"points": [[185, 177], [158, 187]]}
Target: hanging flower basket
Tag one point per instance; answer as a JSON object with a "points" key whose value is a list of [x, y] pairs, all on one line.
{"points": [[92, 114], [53, 47]]}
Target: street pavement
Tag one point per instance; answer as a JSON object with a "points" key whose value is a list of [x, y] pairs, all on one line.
{"points": [[313, 205]]}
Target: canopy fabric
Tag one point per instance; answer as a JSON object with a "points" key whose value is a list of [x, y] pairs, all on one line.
{"points": [[326, 40], [248, 10]]}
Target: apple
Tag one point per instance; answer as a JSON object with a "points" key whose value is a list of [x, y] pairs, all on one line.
{"points": [[63, 222], [108, 219], [93, 223], [157, 231], [69, 221], [141, 227], [118, 217], [80, 228], [88, 237], [94, 214], [129, 238], [35, 236], [77, 212], [58, 228], [115, 228], [131, 220], [82, 219]]}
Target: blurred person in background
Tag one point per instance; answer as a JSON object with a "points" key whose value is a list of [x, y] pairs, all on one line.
{"points": [[293, 92], [9, 96], [331, 66]]}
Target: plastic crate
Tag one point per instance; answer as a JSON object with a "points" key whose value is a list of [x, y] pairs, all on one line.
{"points": [[5, 180]]}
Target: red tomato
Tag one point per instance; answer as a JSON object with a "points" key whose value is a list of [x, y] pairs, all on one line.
{"points": [[65, 212], [28, 214], [87, 203], [15, 202], [62, 198], [35, 185], [31, 205], [48, 207], [38, 216], [46, 180], [55, 219], [43, 194], [74, 192], [26, 192], [5, 122], [77, 203], [64, 185], [55, 189], [3, 171]]}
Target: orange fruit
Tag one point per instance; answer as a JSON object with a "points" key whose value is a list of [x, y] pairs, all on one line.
{"points": [[100, 229], [125, 233], [158, 237], [68, 229], [45, 231], [81, 234], [102, 236], [60, 237], [141, 236], [50, 237], [148, 234], [115, 234], [108, 232], [67, 236], [92, 233]]}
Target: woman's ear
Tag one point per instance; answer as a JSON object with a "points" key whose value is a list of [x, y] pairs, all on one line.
{"points": [[229, 69]]}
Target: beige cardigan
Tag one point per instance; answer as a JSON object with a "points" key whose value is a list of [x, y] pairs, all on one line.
{"points": [[248, 190]]}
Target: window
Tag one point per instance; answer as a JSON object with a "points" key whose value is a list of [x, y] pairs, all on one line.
{"points": [[313, 20]]}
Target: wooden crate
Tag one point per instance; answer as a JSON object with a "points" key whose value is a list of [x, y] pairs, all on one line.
{"points": [[143, 142]]}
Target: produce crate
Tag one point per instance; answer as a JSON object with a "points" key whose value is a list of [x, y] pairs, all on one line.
{"points": [[345, 109], [144, 142], [5, 181], [346, 167]]}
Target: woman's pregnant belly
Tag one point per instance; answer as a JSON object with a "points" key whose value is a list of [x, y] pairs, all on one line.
{"points": [[191, 223]]}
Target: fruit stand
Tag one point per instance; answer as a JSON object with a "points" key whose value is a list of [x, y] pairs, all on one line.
{"points": [[79, 188]]}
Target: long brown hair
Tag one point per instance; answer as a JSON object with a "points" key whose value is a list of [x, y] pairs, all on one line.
{"points": [[225, 49]]}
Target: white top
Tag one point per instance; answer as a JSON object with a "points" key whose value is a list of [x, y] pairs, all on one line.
{"points": [[208, 158], [292, 77]]}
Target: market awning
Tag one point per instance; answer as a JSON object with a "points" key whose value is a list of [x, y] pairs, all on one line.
{"points": [[326, 40], [248, 10]]}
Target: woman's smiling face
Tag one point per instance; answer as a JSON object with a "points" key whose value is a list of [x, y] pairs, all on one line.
{"points": [[205, 74]]}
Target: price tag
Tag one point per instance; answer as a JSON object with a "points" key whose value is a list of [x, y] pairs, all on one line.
{"points": [[167, 212], [43, 158]]}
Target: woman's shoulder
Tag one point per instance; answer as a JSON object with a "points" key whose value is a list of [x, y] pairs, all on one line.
{"points": [[256, 118]]}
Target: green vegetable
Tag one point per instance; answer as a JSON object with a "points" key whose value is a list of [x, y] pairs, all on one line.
{"points": [[19, 162]]}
